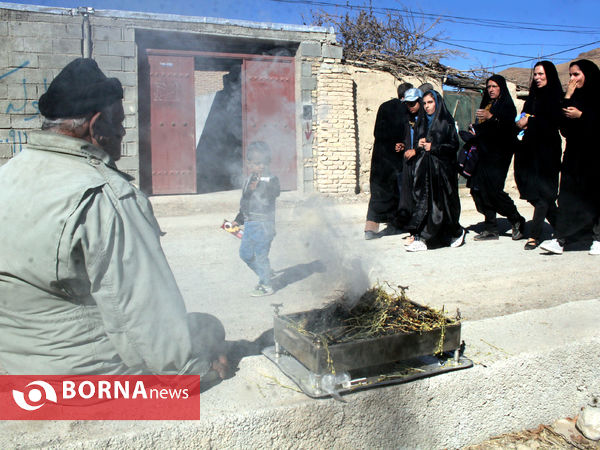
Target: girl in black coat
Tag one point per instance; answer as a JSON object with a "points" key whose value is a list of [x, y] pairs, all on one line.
{"points": [[496, 140], [537, 160], [578, 198], [435, 185]]}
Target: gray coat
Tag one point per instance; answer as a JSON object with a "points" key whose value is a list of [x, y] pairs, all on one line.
{"points": [[85, 287]]}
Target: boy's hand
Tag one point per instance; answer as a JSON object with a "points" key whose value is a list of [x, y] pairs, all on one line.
{"points": [[254, 179]]}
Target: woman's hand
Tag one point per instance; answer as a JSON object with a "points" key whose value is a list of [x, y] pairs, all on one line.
{"points": [[522, 122], [426, 145], [409, 153], [483, 114], [571, 88], [399, 147], [572, 113]]}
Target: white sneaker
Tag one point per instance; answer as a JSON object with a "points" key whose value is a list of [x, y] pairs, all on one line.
{"points": [[416, 246], [595, 248], [459, 240], [552, 246]]}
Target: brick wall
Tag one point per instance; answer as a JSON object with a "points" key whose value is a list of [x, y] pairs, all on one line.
{"points": [[336, 159], [208, 81]]}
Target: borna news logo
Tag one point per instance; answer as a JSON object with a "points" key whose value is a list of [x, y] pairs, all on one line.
{"points": [[100, 397], [34, 396]]}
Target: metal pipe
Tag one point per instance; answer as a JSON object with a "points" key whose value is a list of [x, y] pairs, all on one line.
{"points": [[86, 31]]}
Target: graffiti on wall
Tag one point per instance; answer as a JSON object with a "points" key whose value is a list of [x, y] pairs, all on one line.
{"points": [[17, 138]]}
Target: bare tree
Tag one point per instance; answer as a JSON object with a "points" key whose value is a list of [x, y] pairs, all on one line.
{"points": [[395, 34]]}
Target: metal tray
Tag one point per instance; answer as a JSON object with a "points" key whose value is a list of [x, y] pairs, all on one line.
{"points": [[318, 386], [323, 359]]}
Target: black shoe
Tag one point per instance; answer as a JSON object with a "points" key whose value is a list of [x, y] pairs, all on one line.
{"points": [[518, 229], [371, 235], [486, 235], [532, 244], [389, 231]]}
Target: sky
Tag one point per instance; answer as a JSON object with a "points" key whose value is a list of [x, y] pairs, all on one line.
{"points": [[490, 35]]}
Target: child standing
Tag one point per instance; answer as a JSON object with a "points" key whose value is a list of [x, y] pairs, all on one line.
{"points": [[257, 214]]}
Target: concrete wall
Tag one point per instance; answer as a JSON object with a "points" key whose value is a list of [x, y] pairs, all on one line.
{"points": [[37, 42]]}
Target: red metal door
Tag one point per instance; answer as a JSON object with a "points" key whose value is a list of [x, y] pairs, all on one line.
{"points": [[172, 130], [269, 114]]}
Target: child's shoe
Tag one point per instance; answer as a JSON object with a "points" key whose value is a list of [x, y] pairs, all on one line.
{"points": [[261, 290]]}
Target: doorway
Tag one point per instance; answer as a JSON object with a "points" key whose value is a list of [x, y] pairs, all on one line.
{"points": [[206, 108]]}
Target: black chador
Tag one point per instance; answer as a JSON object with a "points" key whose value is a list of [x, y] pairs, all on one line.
{"points": [[386, 163], [496, 140], [538, 156], [579, 197], [436, 211]]}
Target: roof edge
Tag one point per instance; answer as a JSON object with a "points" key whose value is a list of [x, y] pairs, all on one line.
{"points": [[170, 18]]}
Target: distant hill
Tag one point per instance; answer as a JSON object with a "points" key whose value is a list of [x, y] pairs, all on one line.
{"points": [[523, 76]]}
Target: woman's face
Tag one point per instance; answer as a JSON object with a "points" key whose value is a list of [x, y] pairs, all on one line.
{"points": [[576, 74], [429, 104], [493, 89], [539, 76]]}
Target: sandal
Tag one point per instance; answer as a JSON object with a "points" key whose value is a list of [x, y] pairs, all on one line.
{"points": [[532, 244]]}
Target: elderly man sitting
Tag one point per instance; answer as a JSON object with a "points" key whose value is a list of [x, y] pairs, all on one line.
{"points": [[84, 285]]}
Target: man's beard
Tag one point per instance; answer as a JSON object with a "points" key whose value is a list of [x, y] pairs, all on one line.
{"points": [[104, 133]]}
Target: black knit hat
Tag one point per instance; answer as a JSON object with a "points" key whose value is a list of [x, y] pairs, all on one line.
{"points": [[79, 89]]}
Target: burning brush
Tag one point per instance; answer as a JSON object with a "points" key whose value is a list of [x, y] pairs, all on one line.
{"points": [[377, 313]]}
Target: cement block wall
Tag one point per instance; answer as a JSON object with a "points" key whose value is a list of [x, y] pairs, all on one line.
{"points": [[37, 42]]}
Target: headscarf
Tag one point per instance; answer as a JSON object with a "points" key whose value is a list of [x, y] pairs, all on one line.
{"points": [[441, 117], [503, 99], [545, 97], [441, 112], [591, 85], [553, 85]]}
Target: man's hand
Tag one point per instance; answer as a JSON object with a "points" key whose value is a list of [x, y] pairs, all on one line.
{"points": [[399, 147], [221, 366], [409, 153]]}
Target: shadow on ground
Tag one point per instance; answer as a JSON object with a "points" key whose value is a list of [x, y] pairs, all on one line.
{"points": [[296, 273]]}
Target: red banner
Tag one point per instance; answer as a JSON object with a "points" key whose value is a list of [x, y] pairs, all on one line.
{"points": [[99, 397]]}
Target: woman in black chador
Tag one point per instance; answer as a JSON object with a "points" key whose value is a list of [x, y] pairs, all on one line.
{"points": [[579, 194], [537, 159], [436, 212], [496, 140]]}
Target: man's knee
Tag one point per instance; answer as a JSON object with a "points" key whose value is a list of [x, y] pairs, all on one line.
{"points": [[207, 333]]}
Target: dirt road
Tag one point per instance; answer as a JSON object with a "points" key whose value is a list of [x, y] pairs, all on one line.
{"points": [[319, 252]]}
